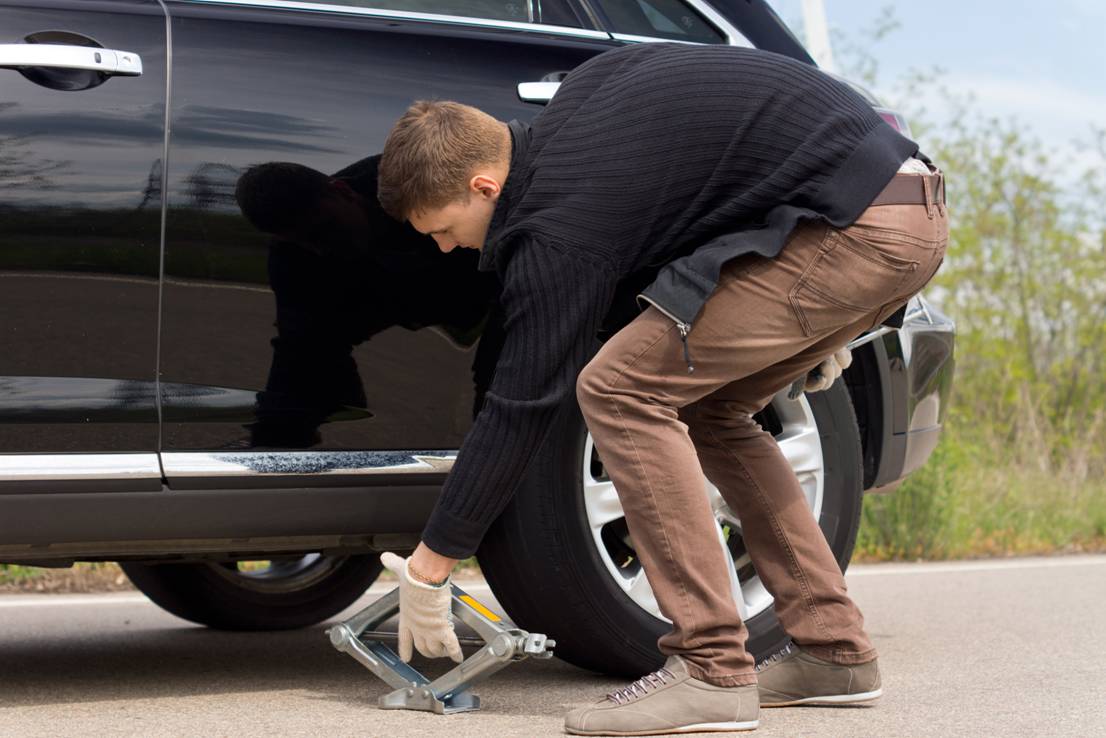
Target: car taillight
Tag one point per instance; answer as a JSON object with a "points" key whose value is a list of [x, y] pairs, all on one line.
{"points": [[896, 121]]}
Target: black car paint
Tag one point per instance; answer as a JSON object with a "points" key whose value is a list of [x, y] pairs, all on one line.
{"points": [[251, 85], [80, 213]]}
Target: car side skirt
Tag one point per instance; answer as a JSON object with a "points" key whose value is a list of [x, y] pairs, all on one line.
{"points": [[112, 524]]}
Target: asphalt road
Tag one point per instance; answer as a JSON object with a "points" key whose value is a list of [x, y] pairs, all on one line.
{"points": [[1004, 648]]}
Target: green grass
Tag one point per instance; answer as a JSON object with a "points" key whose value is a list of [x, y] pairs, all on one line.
{"points": [[14, 573], [970, 501]]}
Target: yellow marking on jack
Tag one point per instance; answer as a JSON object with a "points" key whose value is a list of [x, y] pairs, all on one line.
{"points": [[468, 600]]}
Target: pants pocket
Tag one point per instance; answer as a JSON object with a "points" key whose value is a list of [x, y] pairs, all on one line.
{"points": [[848, 279]]}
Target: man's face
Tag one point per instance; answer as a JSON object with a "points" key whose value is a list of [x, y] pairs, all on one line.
{"points": [[463, 222]]}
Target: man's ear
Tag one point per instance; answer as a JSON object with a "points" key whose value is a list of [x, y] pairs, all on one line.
{"points": [[485, 185]]}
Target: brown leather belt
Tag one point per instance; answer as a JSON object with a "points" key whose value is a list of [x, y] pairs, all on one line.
{"points": [[910, 189]]}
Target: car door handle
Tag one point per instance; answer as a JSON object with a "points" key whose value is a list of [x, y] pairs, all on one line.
{"points": [[61, 56], [537, 92]]}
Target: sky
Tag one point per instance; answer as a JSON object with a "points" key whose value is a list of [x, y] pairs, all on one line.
{"points": [[1043, 63]]}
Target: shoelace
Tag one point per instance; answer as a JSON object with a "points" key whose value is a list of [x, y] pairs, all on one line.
{"points": [[641, 687], [777, 656]]}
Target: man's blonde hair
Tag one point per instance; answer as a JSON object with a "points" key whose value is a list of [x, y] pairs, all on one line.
{"points": [[432, 152]]}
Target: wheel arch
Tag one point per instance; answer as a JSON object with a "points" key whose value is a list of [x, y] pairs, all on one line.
{"points": [[865, 381]]}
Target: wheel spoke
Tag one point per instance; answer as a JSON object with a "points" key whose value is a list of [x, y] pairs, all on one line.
{"points": [[726, 516], [803, 449], [641, 592], [731, 570], [602, 503]]}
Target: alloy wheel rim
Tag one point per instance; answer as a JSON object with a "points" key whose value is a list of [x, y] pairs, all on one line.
{"points": [[800, 442]]}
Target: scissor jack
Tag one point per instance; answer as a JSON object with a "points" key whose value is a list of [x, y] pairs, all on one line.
{"points": [[501, 640]]}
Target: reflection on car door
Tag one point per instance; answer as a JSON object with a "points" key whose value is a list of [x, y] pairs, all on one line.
{"points": [[340, 329], [82, 110]]}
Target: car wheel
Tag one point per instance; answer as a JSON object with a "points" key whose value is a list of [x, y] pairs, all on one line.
{"points": [[560, 560], [277, 595]]}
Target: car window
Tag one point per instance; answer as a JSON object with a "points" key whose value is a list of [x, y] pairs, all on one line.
{"points": [[557, 13], [668, 19], [550, 12]]}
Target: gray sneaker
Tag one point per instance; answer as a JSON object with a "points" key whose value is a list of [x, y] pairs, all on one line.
{"points": [[795, 677], [668, 701]]}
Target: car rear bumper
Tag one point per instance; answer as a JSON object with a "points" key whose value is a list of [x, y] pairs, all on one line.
{"points": [[918, 365]]}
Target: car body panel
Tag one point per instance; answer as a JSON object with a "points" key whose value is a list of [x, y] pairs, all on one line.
{"points": [[110, 524], [322, 89], [917, 386], [80, 224]]}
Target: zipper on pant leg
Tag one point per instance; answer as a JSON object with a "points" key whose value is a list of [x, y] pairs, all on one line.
{"points": [[682, 327]]}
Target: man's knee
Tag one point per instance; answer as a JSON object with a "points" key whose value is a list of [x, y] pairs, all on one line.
{"points": [[729, 417], [591, 387]]}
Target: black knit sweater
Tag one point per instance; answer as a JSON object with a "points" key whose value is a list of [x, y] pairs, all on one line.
{"points": [[668, 159]]}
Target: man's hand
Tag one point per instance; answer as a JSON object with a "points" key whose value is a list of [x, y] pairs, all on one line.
{"points": [[825, 374], [425, 617]]}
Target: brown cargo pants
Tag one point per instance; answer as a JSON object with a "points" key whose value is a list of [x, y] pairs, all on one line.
{"points": [[658, 428]]}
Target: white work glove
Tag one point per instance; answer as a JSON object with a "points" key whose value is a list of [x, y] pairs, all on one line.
{"points": [[825, 374], [425, 616]]}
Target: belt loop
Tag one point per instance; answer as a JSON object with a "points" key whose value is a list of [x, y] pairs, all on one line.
{"points": [[942, 203], [928, 189]]}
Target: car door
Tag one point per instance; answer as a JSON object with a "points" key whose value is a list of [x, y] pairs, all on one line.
{"points": [[273, 351], [82, 113]]}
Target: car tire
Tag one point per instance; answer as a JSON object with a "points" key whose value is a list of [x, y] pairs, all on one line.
{"points": [[546, 566], [290, 593]]}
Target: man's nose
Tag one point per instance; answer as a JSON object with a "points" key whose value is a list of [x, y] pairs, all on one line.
{"points": [[445, 245]]}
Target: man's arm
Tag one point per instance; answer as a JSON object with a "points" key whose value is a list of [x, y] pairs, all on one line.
{"points": [[553, 301]]}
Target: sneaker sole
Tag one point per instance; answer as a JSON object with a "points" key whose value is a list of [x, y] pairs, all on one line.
{"points": [[731, 727], [831, 699]]}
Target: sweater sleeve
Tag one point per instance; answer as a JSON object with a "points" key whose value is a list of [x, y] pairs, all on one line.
{"points": [[553, 302]]}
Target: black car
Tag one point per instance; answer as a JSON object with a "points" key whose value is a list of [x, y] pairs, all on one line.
{"points": [[185, 390]]}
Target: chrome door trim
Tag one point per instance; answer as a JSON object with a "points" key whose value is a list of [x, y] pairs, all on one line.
{"points": [[178, 464], [65, 56], [410, 15], [733, 36], [635, 39], [77, 467]]}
